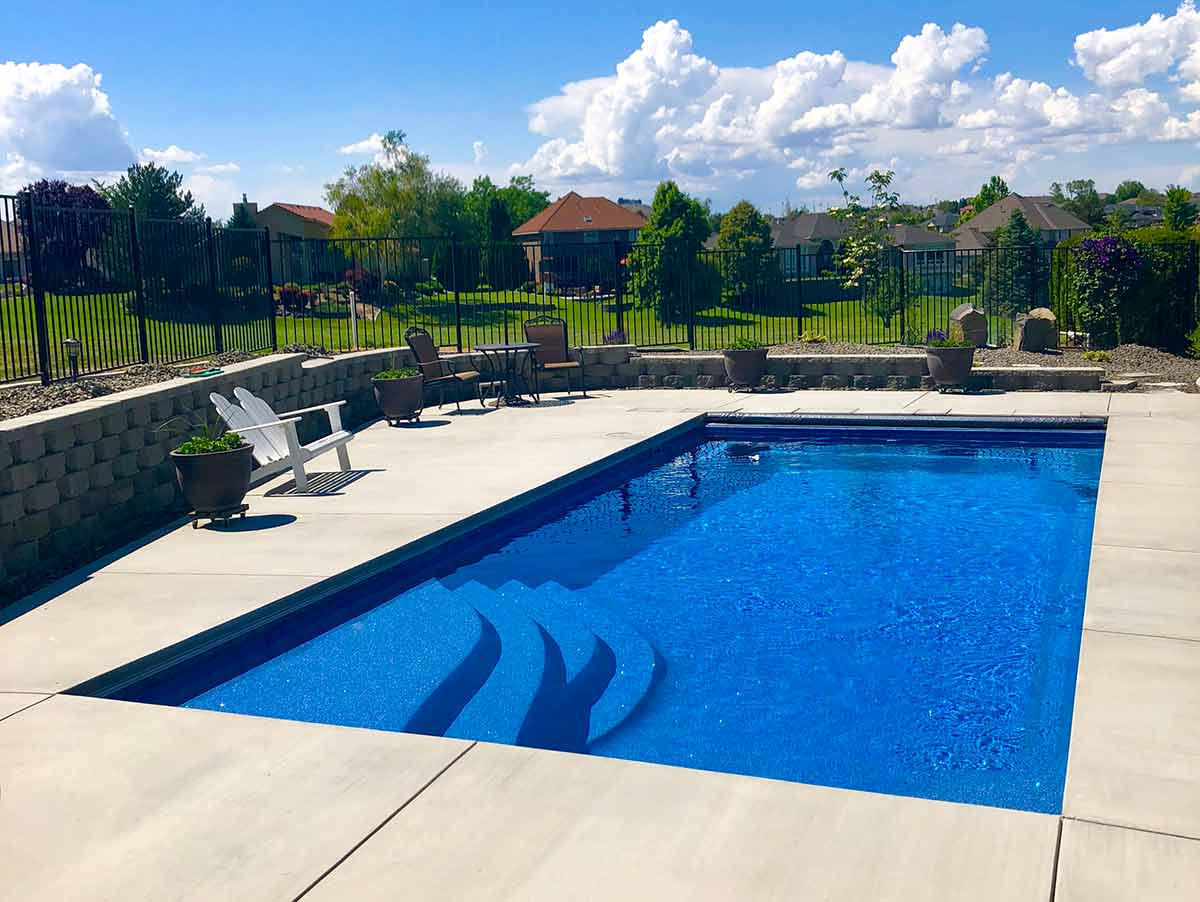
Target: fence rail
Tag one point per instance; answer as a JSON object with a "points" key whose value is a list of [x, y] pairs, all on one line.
{"points": [[156, 291]]}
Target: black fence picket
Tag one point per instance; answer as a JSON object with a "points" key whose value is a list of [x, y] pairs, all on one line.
{"points": [[163, 291]]}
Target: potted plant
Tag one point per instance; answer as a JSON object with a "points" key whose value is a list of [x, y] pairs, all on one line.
{"points": [[949, 360], [400, 394], [213, 471], [745, 363]]}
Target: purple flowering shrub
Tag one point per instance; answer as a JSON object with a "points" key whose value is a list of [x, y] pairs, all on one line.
{"points": [[1105, 279]]}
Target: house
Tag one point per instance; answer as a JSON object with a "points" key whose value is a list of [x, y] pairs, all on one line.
{"points": [[293, 222], [12, 267], [943, 222], [1052, 222], [571, 241], [1137, 215], [924, 249], [636, 205]]}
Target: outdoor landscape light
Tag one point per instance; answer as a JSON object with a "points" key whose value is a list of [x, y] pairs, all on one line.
{"points": [[72, 345]]}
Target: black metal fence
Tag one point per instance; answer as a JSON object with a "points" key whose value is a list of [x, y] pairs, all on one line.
{"points": [[133, 290]]}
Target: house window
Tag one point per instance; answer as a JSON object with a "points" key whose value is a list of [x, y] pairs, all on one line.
{"points": [[591, 237]]}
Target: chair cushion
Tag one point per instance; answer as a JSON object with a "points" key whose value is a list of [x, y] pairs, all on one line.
{"points": [[565, 365], [466, 375]]}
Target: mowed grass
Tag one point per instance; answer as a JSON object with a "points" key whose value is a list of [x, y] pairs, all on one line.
{"points": [[108, 329]]}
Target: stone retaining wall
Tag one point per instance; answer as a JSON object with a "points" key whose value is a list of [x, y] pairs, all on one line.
{"points": [[80, 480]]}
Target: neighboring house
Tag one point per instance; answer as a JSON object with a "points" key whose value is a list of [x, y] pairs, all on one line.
{"points": [[1137, 215], [924, 249], [1052, 222], [943, 222], [569, 242], [11, 243], [293, 222], [815, 237], [635, 205]]}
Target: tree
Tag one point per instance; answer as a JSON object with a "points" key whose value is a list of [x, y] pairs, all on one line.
{"points": [[663, 268], [1179, 213], [241, 218], [398, 196], [1014, 274], [70, 221], [153, 192], [992, 190], [1127, 190], [520, 200], [1080, 199], [866, 256], [748, 264]]}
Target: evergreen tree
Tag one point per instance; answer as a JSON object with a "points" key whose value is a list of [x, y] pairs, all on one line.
{"points": [[664, 270], [153, 192], [1179, 213], [1015, 271], [748, 264]]}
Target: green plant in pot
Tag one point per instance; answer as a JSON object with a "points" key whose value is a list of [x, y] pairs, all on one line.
{"points": [[212, 467], [745, 363], [949, 360], [400, 394]]}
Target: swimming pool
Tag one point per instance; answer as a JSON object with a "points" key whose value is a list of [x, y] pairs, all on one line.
{"points": [[880, 609]]}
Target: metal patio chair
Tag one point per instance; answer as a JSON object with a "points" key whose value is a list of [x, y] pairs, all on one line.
{"points": [[440, 373], [554, 353]]}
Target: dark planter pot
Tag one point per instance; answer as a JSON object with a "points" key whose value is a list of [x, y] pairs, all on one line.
{"points": [[400, 399], [214, 483], [745, 368], [950, 367]]}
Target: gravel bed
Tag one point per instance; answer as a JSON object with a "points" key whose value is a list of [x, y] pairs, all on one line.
{"points": [[1122, 359], [19, 400]]}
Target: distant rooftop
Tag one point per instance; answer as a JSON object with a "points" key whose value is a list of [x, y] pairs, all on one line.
{"points": [[575, 213]]}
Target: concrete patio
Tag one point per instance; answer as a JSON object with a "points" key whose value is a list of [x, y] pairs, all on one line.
{"points": [[103, 799]]}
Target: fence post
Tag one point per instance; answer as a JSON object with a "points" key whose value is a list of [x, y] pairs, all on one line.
{"points": [[899, 254], [618, 280], [799, 296], [691, 303], [457, 305], [139, 292], [39, 293], [218, 337], [270, 289]]}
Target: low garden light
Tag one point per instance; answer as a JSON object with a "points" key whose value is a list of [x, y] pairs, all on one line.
{"points": [[72, 346]]}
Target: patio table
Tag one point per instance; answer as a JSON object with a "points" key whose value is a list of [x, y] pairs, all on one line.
{"points": [[507, 360]]}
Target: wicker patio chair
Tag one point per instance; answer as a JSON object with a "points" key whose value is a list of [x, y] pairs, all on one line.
{"points": [[554, 353], [440, 373]]}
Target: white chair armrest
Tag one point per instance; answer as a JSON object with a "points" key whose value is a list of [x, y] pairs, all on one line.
{"points": [[292, 413], [292, 421]]}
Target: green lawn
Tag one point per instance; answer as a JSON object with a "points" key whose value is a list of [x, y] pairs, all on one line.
{"points": [[109, 329]]}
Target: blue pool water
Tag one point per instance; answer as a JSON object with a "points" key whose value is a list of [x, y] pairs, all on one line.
{"points": [[878, 610]]}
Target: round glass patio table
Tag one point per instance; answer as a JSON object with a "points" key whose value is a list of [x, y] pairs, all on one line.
{"points": [[506, 360]]}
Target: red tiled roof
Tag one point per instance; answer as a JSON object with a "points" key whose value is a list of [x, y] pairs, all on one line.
{"points": [[312, 214], [573, 213], [10, 237]]}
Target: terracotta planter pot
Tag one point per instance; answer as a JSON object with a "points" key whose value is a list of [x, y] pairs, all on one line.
{"points": [[400, 399], [950, 367], [214, 483], [745, 368]]}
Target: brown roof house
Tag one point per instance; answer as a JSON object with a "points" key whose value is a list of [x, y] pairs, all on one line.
{"points": [[571, 243], [1052, 222], [294, 222], [11, 242]]}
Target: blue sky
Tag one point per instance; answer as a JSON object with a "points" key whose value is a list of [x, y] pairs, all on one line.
{"points": [[732, 101]]}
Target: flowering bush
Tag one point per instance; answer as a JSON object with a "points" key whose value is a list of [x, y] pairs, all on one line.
{"points": [[1105, 278], [616, 337]]}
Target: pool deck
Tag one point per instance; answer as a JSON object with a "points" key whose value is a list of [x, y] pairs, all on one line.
{"points": [[103, 799]]}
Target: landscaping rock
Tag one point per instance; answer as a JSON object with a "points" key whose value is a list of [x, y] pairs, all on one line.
{"points": [[968, 323], [673, 381], [833, 382], [799, 381], [1036, 330], [647, 381]]}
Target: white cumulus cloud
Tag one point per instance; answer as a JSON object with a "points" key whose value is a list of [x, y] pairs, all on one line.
{"points": [[479, 151], [56, 119], [219, 168], [171, 156], [1129, 55], [372, 144]]}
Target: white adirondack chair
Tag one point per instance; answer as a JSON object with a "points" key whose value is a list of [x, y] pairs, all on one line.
{"points": [[276, 443]]}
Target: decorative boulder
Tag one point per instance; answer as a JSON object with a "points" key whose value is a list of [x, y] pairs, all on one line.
{"points": [[968, 323], [1036, 330]]}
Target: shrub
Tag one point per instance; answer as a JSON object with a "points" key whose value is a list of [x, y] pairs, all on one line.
{"points": [[616, 337], [429, 287], [936, 338], [364, 282], [1194, 342], [1097, 356], [203, 444], [529, 287], [1106, 273], [404, 373], [745, 344], [293, 298], [813, 337]]}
